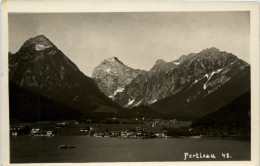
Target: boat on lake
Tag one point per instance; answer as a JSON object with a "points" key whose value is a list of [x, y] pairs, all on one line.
{"points": [[67, 146], [196, 136]]}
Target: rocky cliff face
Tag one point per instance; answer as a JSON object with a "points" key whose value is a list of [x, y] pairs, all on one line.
{"points": [[207, 70], [40, 67], [112, 76]]}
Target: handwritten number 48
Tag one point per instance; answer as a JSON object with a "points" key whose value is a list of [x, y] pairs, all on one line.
{"points": [[226, 155]]}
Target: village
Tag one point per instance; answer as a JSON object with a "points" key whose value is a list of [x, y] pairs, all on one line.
{"points": [[120, 128], [109, 127]]}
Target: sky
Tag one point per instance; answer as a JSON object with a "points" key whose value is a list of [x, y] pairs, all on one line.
{"points": [[137, 39]]}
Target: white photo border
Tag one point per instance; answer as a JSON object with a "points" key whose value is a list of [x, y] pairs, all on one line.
{"points": [[131, 6]]}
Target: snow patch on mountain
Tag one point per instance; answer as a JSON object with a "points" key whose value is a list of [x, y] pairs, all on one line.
{"points": [[233, 62], [206, 75], [130, 102], [219, 70], [204, 86], [203, 66], [195, 81], [119, 89], [138, 103], [152, 101], [107, 70], [209, 77], [40, 47]]}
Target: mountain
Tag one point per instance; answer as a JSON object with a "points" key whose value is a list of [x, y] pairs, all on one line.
{"points": [[112, 76], [233, 116], [40, 68], [191, 86], [45, 85], [195, 102]]}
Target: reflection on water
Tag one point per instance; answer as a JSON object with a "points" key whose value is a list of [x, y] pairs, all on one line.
{"points": [[26, 149]]}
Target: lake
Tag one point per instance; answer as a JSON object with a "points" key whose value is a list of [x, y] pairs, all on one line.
{"points": [[28, 149]]}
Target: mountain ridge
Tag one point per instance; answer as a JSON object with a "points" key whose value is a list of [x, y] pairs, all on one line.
{"points": [[185, 88], [207, 63], [48, 72], [209, 70]]}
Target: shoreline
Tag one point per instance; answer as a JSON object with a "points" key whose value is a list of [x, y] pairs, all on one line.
{"points": [[242, 138]]}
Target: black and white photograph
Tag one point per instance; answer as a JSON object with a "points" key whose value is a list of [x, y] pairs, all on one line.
{"points": [[152, 86]]}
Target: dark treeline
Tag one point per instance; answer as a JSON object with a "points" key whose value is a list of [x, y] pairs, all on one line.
{"points": [[232, 119], [27, 106]]}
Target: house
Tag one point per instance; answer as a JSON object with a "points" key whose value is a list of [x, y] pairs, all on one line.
{"points": [[123, 134], [14, 133], [62, 124], [49, 133], [138, 129], [91, 128], [160, 134], [115, 133], [98, 135], [152, 124], [35, 132], [84, 129], [139, 134]]}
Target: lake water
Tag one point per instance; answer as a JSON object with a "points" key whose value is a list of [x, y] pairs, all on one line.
{"points": [[26, 149]]}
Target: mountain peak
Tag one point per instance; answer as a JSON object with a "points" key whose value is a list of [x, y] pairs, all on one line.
{"points": [[210, 50], [40, 37], [112, 76], [159, 61], [114, 60], [39, 42]]}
